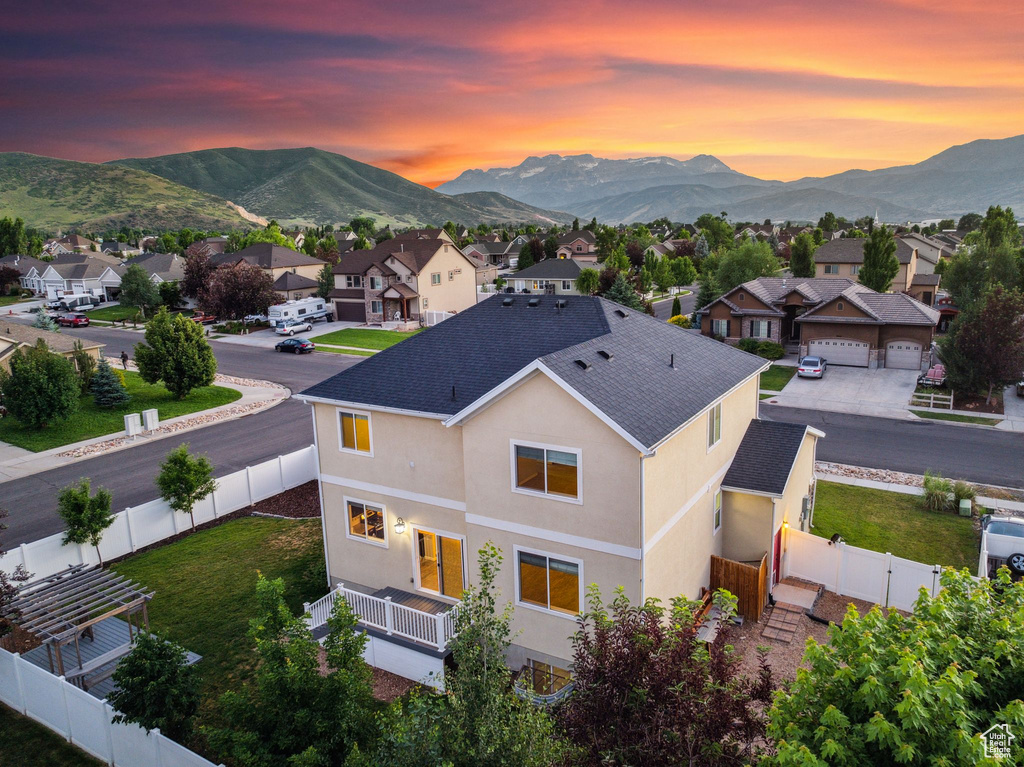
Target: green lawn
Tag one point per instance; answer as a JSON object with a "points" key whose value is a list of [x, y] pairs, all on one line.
{"points": [[896, 523], [205, 588], [25, 743], [364, 339], [335, 350], [765, 396], [91, 421], [9, 300], [116, 313], [938, 415], [776, 377]]}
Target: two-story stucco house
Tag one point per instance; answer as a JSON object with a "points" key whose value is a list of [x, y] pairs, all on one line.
{"points": [[845, 257], [402, 278], [591, 443], [581, 245]]}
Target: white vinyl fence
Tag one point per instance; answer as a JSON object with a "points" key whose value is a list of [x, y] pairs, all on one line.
{"points": [[854, 572], [140, 526], [84, 720], [431, 317]]}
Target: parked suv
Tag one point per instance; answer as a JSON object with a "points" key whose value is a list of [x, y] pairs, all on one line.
{"points": [[73, 320]]}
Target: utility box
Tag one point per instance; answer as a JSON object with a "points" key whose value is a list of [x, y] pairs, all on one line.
{"points": [[965, 507], [150, 419], [133, 424]]}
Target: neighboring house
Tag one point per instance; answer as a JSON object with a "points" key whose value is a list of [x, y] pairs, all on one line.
{"points": [[929, 251], [75, 273], [659, 250], [275, 260], [122, 249], [291, 286], [555, 276], [844, 259], [14, 336], [600, 446], [836, 318], [30, 269], [72, 243], [486, 272], [787, 234], [297, 236], [581, 245], [493, 251], [215, 244], [924, 287], [754, 231], [402, 278]]}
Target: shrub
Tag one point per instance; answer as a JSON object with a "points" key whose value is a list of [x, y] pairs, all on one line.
{"points": [[770, 350], [85, 365], [936, 492], [750, 345], [42, 387], [963, 490], [681, 321]]}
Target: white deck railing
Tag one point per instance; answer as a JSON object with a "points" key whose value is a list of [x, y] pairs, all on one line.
{"points": [[394, 619]]}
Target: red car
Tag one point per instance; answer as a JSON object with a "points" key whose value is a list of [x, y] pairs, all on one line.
{"points": [[73, 320], [203, 319]]}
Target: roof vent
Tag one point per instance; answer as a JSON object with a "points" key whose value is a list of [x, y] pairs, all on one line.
{"points": [[621, 313], [582, 365], [506, 302], [606, 355], [561, 303], [533, 302]]}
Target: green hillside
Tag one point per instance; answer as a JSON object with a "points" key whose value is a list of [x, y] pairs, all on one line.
{"points": [[52, 194], [311, 186]]}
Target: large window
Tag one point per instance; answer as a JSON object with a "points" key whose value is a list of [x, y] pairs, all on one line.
{"points": [[545, 678], [439, 563], [718, 511], [376, 307], [353, 281], [714, 425], [354, 432], [546, 470], [548, 582], [720, 328], [376, 283], [831, 268], [366, 522], [760, 328]]}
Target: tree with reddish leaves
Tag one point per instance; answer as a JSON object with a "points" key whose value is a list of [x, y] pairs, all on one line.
{"points": [[684, 248], [198, 271], [8, 276], [648, 691], [238, 291], [635, 254], [991, 340], [606, 280]]}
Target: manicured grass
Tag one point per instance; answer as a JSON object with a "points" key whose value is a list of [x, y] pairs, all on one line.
{"points": [[10, 300], [336, 350], [896, 523], [91, 421], [205, 588], [776, 377], [765, 396], [363, 338], [25, 743], [938, 415]]}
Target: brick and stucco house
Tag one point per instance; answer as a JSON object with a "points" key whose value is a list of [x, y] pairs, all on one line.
{"points": [[836, 318]]}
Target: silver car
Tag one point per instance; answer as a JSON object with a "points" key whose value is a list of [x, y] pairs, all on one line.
{"points": [[1004, 541], [811, 367]]}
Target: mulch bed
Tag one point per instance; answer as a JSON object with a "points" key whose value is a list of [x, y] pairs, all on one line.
{"points": [[389, 687], [975, 403]]}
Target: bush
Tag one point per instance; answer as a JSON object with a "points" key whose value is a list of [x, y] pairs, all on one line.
{"points": [[771, 350], [681, 321], [963, 490], [108, 388], [936, 492], [41, 388], [750, 345]]}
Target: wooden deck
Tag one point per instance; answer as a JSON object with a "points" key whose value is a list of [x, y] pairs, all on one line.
{"points": [[109, 634], [415, 601]]}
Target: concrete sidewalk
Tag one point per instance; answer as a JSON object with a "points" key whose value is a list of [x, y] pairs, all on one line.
{"points": [[268, 338], [16, 462], [895, 487]]}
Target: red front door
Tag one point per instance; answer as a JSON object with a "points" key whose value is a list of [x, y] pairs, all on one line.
{"points": [[777, 557]]}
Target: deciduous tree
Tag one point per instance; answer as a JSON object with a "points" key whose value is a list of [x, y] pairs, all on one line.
{"points": [[880, 263], [9, 584], [41, 387], [238, 291], [801, 255], [683, 271], [138, 290], [185, 480], [969, 222], [85, 365], [747, 262], [12, 236], [587, 281], [992, 340], [177, 353], [86, 516], [198, 271], [9, 277], [170, 293]]}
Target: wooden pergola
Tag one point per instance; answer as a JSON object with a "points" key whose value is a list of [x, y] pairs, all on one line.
{"points": [[62, 608]]}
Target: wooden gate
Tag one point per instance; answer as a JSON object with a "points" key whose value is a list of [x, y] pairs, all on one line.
{"points": [[747, 582]]}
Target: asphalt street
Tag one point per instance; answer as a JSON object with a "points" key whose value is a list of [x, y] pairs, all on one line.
{"points": [[663, 309]]}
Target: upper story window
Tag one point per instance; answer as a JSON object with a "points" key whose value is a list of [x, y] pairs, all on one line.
{"points": [[354, 432], [855, 269], [714, 425], [718, 511], [579, 248], [831, 268], [435, 278], [546, 470], [376, 283], [548, 582], [353, 280], [567, 284], [367, 522]]}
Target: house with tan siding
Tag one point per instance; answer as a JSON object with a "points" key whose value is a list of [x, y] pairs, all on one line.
{"points": [[600, 446], [843, 258]]}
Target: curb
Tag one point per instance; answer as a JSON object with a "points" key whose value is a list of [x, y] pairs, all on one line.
{"points": [[909, 416]]}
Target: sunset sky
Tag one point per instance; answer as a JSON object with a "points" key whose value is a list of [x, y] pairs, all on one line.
{"points": [[428, 89]]}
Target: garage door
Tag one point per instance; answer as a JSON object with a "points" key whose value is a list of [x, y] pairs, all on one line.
{"points": [[350, 311], [904, 355], [840, 351]]}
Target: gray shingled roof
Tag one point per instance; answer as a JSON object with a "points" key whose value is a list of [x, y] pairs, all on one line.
{"points": [[851, 251], [550, 269], [266, 255], [637, 388], [292, 281], [765, 457]]}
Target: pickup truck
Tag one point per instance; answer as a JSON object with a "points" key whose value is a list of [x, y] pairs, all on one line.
{"points": [[203, 319]]}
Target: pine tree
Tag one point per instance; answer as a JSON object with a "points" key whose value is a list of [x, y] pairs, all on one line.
{"points": [[880, 263], [106, 388], [44, 321], [622, 293], [801, 256], [676, 308], [702, 250], [325, 281]]}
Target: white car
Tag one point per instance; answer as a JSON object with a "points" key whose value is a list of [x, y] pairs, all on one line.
{"points": [[291, 328], [812, 367], [1004, 541]]}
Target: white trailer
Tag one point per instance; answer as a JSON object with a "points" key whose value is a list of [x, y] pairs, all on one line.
{"points": [[299, 310]]}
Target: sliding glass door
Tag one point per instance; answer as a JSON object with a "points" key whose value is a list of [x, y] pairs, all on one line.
{"points": [[439, 563]]}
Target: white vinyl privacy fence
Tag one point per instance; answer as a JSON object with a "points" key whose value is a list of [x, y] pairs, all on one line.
{"points": [[850, 571], [140, 526], [84, 720]]}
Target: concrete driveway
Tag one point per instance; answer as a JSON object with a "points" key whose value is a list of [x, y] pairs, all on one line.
{"points": [[852, 390]]}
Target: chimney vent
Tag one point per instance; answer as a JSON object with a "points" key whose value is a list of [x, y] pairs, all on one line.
{"points": [[672, 360]]}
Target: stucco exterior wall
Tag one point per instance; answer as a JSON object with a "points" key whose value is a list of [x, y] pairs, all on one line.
{"points": [[746, 526], [457, 291]]}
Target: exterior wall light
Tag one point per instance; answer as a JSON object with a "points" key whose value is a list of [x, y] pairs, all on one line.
{"points": [[399, 526]]}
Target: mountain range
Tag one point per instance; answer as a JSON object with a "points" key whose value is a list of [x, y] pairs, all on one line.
{"points": [[961, 179]]}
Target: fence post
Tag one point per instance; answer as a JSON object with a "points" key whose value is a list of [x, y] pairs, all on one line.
{"points": [[387, 615], [280, 470], [840, 569], [21, 684], [213, 495], [24, 557], [155, 734], [888, 576], [131, 534], [248, 481], [108, 718], [64, 700], [442, 639]]}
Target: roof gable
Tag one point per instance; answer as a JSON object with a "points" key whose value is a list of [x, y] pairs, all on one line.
{"points": [[764, 460]]}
